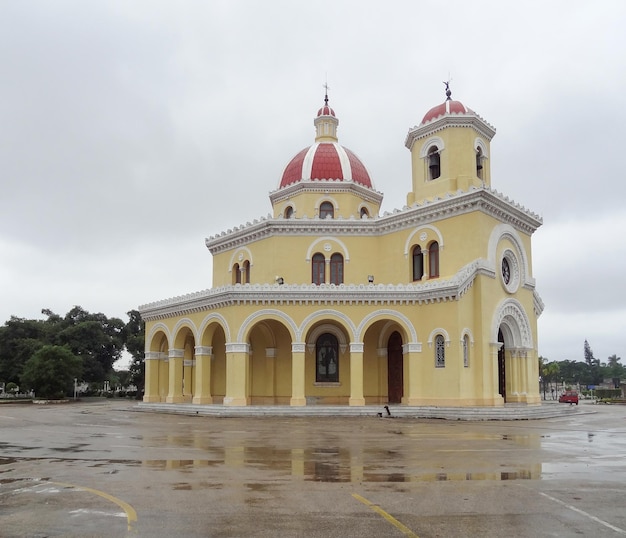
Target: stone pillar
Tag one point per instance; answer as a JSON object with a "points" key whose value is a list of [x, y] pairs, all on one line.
{"points": [[237, 374], [413, 395], [383, 374], [270, 375], [188, 382], [513, 375], [531, 377], [175, 392], [298, 397], [356, 374], [202, 392], [491, 375], [152, 362]]}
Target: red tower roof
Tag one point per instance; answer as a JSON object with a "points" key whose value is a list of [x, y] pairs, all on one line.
{"points": [[447, 107], [325, 111]]}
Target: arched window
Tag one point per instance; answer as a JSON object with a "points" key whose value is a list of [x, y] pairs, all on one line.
{"points": [[418, 263], [433, 260], [236, 274], [364, 212], [327, 359], [466, 351], [246, 272], [327, 210], [289, 212], [318, 265], [440, 351], [479, 163], [336, 269], [434, 163]]}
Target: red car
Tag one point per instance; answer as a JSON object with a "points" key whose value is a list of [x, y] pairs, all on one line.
{"points": [[569, 396]]}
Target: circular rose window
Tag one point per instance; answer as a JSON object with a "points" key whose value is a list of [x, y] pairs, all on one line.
{"points": [[509, 271]]}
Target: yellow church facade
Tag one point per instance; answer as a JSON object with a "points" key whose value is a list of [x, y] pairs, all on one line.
{"points": [[326, 301]]}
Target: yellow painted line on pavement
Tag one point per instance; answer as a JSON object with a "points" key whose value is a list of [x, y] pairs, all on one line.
{"points": [[402, 528], [131, 515]]}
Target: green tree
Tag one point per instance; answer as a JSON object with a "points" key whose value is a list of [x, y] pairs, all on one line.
{"points": [[19, 339], [543, 374], [96, 339], [552, 372], [134, 339], [594, 374], [51, 371], [614, 370]]}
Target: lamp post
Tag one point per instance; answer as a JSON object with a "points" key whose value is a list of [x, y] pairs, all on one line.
{"points": [[75, 388]]}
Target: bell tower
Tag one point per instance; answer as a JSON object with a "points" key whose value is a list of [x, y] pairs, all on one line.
{"points": [[450, 151]]}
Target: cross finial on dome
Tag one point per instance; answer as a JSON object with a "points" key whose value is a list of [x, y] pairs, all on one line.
{"points": [[326, 88], [448, 91]]}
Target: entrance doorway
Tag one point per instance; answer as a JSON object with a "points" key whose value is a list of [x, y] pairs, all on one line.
{"points": [[395, 368], [501, 367]]}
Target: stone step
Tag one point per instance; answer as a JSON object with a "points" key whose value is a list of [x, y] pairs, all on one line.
{"points": [[508, 412]]}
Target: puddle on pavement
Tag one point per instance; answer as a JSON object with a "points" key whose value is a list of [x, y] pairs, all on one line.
{"points": [[421, 461]]}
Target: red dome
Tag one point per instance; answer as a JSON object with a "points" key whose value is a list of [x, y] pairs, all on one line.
{"points": [[325, 160], [325, 111], [447, 107]]}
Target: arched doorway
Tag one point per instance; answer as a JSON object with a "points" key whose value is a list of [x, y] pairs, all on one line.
{"points": [[395, 368], [501, 366]]}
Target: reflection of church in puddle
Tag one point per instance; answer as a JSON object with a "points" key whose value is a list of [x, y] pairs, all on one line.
{"points": [[327, 302], [351, 465]]}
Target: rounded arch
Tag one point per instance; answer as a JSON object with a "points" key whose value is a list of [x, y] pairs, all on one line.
{"points": [[328, 314], [240, 255], [511, 318], [326, 198], [332, 328], [428, 239], [467, 332], [251, 320], [386, 331], [432, 141], [289, 210], [506, 231], [410, 334], [316, 242], [205, 334], [150, 337], [179, 332], [479, 143], [266, 331], [435, 332]]}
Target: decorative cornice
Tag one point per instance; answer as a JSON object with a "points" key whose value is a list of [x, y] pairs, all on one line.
{"points": [[432, 291], [473, 121], [323, 185], [484, 199]]}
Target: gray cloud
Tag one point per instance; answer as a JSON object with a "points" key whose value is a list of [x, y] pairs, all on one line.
{"points": [[130, 131]]}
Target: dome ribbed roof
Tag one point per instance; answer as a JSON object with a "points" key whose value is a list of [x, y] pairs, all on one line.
{"points": [[326, 159]]}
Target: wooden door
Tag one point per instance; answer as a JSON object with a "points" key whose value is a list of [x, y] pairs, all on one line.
{"points": [[395, 368]]}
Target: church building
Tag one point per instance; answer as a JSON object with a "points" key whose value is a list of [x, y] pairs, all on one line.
{"points": [[326, 301]]}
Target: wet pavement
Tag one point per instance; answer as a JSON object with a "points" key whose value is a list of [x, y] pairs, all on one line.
{"points": [[104, 469]]}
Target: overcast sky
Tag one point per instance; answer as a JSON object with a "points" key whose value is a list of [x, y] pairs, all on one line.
{"points": [[132, 130]]}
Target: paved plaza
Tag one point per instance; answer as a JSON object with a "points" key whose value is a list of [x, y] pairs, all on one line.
{"points": [[105, 468]]}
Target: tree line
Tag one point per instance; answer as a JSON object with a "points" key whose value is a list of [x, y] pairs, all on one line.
{"points": [[590, 372], [46, 356]]}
